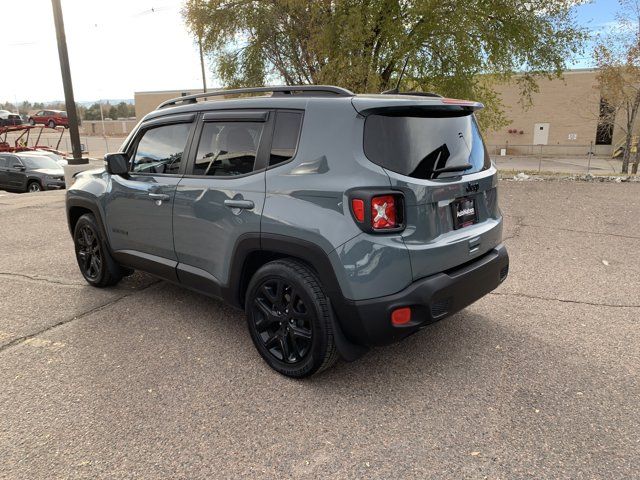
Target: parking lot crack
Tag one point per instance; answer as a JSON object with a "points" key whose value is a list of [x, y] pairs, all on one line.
{"points": [[35, 278], [515, 233], [618, 235], [563, 300], [24, 338]]}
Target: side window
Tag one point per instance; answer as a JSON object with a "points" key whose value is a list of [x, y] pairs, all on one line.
{"points": [[227, 148], [160, 149], [285, 137], [3, 161], [13, 162]]}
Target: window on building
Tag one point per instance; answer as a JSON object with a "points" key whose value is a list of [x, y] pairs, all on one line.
{"points": [[604, 131], [285, 137], [227, 148]]}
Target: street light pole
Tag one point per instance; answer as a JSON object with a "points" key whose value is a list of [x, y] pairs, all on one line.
{"points": [[68, 86]]}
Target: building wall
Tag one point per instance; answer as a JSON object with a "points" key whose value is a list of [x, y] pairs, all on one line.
{"points": [[146, 102], [569, 105]]}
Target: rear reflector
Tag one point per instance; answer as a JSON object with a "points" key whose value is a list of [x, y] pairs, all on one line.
{"points": [[401, 316], [358, 209], [383, 212]]}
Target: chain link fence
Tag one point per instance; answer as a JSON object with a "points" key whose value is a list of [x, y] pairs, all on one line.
{"points": [[556, 158]]}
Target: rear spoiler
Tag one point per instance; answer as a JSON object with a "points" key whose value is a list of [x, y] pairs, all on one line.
{"points": [[407, 105]]}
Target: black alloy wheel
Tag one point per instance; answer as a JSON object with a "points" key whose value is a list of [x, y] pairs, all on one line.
{"points": [[290, 319], [89, 253], [282, 320]]}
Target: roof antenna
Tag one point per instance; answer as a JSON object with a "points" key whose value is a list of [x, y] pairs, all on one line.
{"points": [[396, 90]]}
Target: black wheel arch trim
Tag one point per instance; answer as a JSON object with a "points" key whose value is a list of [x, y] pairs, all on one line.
{"points": [[86, 204], [345, 325]]}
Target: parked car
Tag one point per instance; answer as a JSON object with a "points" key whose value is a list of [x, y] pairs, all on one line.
{"points": [[59, 159], [8, 118], [336, 221], [50, 118], [28, 172]]}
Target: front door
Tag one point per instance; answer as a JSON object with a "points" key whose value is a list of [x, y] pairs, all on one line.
{"points": [[221, 196], [139, 206], [4, 164], [541, 134], [16, 174]]}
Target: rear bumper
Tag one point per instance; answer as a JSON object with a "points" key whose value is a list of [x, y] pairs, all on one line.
{"points": [[368, 322]]}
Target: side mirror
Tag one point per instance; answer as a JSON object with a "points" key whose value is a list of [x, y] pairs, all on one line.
{"points": [[20, 168], [117, 163]]}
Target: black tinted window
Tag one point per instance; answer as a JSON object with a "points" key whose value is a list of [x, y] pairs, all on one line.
{"points": [[160, 149], [3, 161], [227, 148], [285, 136], [13, 162], [416, 146]]}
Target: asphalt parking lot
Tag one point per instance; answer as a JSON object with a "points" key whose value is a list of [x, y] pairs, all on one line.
{"points": [[147, 380]]}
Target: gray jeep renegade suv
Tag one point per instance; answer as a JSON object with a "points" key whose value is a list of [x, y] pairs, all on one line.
{"points": [[336, 221]]}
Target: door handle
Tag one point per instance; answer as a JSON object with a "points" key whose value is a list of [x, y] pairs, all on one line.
{"points": [[159, 196], [246, 204]]}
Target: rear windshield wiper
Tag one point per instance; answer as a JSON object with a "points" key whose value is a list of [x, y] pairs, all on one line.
{"points": [[455, 168]]}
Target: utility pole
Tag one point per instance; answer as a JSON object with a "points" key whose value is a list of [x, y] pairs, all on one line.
{"points": [[204, 78], [72, 113]]}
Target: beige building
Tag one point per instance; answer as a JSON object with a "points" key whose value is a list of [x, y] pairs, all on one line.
{"points": [[146, 102], [564, 117]]}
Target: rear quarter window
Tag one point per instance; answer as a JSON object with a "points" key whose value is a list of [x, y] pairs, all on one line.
{"points": [[416, 146], [285, 137]]}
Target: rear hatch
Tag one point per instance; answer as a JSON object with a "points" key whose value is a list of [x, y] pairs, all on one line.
{"points": [[432, 150]]}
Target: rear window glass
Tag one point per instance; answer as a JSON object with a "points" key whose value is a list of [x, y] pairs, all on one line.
{"points": [[416, 146]]}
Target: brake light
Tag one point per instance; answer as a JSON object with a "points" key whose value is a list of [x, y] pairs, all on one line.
{"points": [[357, 205], [456, 101], [383, 212]]}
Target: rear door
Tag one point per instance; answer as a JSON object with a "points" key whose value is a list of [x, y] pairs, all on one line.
{"points": [[220, 199], [436, 156], [139, 206]]}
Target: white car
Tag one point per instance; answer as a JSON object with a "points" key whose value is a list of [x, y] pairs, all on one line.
{"points": [[8, 118], [54, 156]]}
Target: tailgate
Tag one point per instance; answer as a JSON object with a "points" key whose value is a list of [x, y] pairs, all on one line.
{"points": [[434, 240], [435, 154]]}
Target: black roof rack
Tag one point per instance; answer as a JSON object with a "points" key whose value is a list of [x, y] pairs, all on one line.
{"points": [[276, 90]]}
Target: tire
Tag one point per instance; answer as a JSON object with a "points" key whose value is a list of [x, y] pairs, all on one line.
{"points": [[94, 260], [32, 122], [51, 124], [34, 186], [289, 319]]}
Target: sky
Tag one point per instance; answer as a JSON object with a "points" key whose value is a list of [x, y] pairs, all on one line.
{"points": [[117, 47]]}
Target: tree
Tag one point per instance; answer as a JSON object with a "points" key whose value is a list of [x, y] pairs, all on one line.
{"points": [[617, 56], [455, 48], [93, 112]]}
